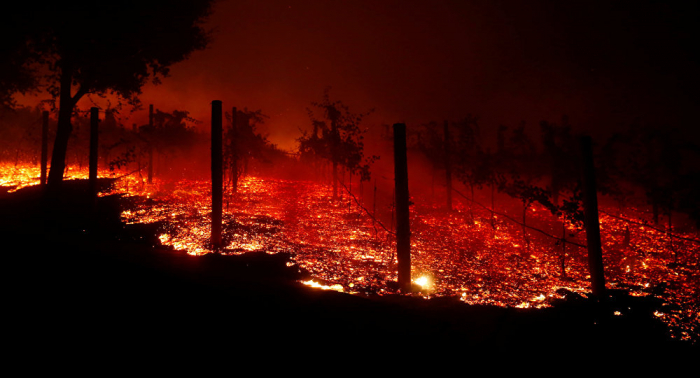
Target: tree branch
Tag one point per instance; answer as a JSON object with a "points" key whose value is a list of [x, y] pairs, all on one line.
{"points": [[82, 91]]}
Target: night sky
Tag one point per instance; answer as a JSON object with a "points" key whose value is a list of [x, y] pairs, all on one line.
{"points": [[605, 64]]}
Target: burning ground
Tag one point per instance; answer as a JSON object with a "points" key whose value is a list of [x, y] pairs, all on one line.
{"points": [[458, 254], [455, 256]]}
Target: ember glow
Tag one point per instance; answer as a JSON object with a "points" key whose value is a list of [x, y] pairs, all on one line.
{"points": [[18, 176], [454, 253], [14, 177]]}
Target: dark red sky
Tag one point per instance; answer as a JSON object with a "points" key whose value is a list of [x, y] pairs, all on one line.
{"points": [[602, 63]]}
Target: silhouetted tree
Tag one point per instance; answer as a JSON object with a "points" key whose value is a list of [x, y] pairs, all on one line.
{"points": [[106, 47], [15, 75]]}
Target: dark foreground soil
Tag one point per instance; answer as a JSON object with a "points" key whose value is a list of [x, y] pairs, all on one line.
{"points": [[80, 283]]}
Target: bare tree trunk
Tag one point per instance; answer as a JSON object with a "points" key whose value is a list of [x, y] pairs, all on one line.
{"points": [[592, 223], [63, 129]]}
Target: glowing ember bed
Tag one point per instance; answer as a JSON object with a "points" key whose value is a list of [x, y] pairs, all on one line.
{"points": [[453, 254], [344, 248]]}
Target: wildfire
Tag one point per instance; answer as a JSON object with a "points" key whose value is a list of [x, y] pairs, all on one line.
{"points": [[466, 256]]}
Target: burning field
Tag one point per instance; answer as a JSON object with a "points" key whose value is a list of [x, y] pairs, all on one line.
{"points": [[343, 245]]}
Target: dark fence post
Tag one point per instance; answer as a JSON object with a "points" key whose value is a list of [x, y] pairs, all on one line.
{"points": [[94, 122], [150, 144], [334, 155], [234, 150], [448, 167], [592, 223], [217, 179], [44, 146], [403, 230]]}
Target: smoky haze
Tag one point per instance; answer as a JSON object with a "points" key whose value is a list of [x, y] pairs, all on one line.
{"points": [[603, 64], [495, 96]]}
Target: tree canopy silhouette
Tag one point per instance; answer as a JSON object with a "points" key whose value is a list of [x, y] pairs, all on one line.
{"points": [[15, 75], [88, 47]]}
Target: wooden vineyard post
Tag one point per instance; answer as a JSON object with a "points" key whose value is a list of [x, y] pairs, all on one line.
{"points": [[448, 168], [217, 179], [592, 223], [234, 151], [403, 230], [150, 145], [334, 154], [94, 122], [44, 146]]}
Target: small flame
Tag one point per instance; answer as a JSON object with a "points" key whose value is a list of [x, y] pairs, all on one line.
{"points": [[312, 283], [424, 281]]}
